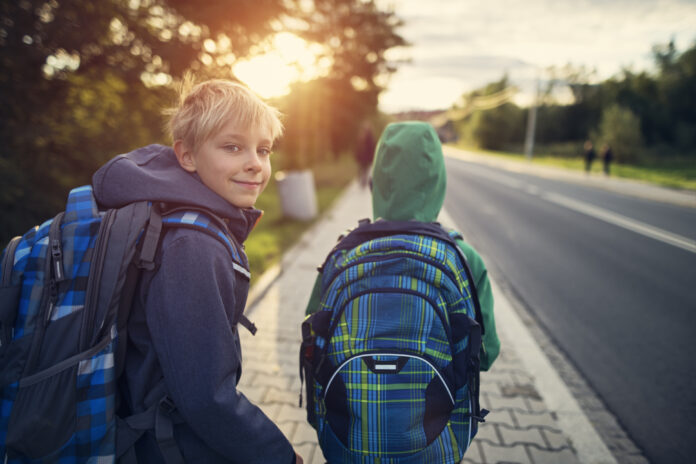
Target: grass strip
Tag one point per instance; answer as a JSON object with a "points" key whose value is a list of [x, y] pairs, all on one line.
{"points": [[679, 173]]}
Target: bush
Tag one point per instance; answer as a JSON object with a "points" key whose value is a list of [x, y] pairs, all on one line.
{"points": [[620, 128], [497, 128]]}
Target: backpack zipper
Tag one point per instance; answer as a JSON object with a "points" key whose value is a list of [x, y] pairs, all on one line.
{"points": [[45, 307], [325, 349], [420, 258], [56, 276], [432, 303], [385, 353], [97, 266]]}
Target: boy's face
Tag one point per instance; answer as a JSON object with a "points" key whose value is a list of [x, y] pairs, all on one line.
{"points": [[234, 163]]}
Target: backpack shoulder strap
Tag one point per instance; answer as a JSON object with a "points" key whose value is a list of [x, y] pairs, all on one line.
{"points": [[209, 223], [7, 263], [9, 294], [456, 235]]}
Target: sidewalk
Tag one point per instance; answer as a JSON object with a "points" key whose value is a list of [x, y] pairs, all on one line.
{"points": [[533, 419]]}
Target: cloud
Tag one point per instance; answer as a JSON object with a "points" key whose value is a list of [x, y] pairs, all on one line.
{"points": [[465, 65], [468, 39]]}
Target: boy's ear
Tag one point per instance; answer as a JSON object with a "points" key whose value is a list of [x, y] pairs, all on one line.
{"points": [[184, 156]]}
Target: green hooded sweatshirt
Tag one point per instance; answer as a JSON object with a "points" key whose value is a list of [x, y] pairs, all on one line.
{"points": [[409, 181]]}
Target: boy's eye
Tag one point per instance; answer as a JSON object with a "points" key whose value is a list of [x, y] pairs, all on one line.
{"points": [[232, 147], [264, 151]]}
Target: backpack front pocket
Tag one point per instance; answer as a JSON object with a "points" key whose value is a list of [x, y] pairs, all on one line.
{"points": [[43, 416], [386, 404], [65, 410]]}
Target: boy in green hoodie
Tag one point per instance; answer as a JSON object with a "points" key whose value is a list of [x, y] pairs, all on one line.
{"points": [[409, 181]]}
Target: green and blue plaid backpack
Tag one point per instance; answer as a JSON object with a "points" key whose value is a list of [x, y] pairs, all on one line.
{"points": [[391, 357], [65, 294]]}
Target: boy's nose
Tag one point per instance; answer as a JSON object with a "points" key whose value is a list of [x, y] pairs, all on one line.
{"points": [[253, 162]]}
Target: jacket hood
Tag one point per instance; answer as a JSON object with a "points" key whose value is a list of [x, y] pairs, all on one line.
{"points": [[408, 176], [152, 173]]}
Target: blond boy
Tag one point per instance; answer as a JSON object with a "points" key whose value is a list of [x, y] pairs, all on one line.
{"points": [[183, 342]]}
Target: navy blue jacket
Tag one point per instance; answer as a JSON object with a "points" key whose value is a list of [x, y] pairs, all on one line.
{"points": [[180, 332]]}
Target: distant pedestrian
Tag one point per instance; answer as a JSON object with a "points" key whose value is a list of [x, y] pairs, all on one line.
{"points": [[365, 152], [607, 157], [589, 156]]}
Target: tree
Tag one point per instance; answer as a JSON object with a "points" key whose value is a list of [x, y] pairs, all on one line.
{"points": [[620, 128], [676, 85], [79, 82], [307, 127], [491, 121], [358, 34], [574, 120]]}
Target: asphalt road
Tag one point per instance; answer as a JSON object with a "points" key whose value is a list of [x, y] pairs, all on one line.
{"points": [[611, 278]]}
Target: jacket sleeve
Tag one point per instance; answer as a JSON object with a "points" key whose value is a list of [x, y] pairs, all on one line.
{"points": [[491, 342], [190, 304]]}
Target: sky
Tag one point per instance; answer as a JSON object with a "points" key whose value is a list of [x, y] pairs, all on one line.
{"points": [[460, 45]]}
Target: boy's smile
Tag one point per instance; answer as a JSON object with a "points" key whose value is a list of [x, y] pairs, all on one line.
{"points": [[234, 163]]}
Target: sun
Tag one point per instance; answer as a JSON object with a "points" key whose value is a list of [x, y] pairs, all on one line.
{"points": [[288, 59]]}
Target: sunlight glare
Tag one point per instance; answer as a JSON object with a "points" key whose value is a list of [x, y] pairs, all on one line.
{"points": [[288, 59]]}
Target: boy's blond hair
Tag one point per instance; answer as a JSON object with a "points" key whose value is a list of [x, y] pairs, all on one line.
{"points": [[206, 107]]}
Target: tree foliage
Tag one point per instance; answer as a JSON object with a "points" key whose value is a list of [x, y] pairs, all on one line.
{"points": [[75, 80], [649, 111], [620, 128], [81, 81], [358, 34], [494, 123]]}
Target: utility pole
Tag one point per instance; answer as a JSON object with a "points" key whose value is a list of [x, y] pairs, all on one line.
{"points": [[531, 125]]}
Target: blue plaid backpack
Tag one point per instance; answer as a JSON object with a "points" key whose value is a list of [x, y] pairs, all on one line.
{"points": [[65, 294], [391, 357]]}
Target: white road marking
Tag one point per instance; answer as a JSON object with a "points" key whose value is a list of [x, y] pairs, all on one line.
{"points": [[599, 213], [622, 221]]}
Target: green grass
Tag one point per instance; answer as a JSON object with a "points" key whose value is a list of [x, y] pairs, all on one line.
{"points": [[274, 234], [669, 172]]}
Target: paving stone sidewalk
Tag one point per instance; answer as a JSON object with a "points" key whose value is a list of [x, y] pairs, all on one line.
{"points": [[520, 428]]}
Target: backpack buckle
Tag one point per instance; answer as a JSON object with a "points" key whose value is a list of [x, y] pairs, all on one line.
{"points": [[167, 405]]}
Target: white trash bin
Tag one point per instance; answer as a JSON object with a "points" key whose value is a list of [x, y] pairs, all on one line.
{"points": [[298, 197]]}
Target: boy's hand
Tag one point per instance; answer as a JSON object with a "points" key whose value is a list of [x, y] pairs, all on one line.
{"points": [[298, 458]]}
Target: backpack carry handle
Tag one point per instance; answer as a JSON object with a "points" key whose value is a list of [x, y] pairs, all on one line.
{"points": [[219, 228], [371, 230]]}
